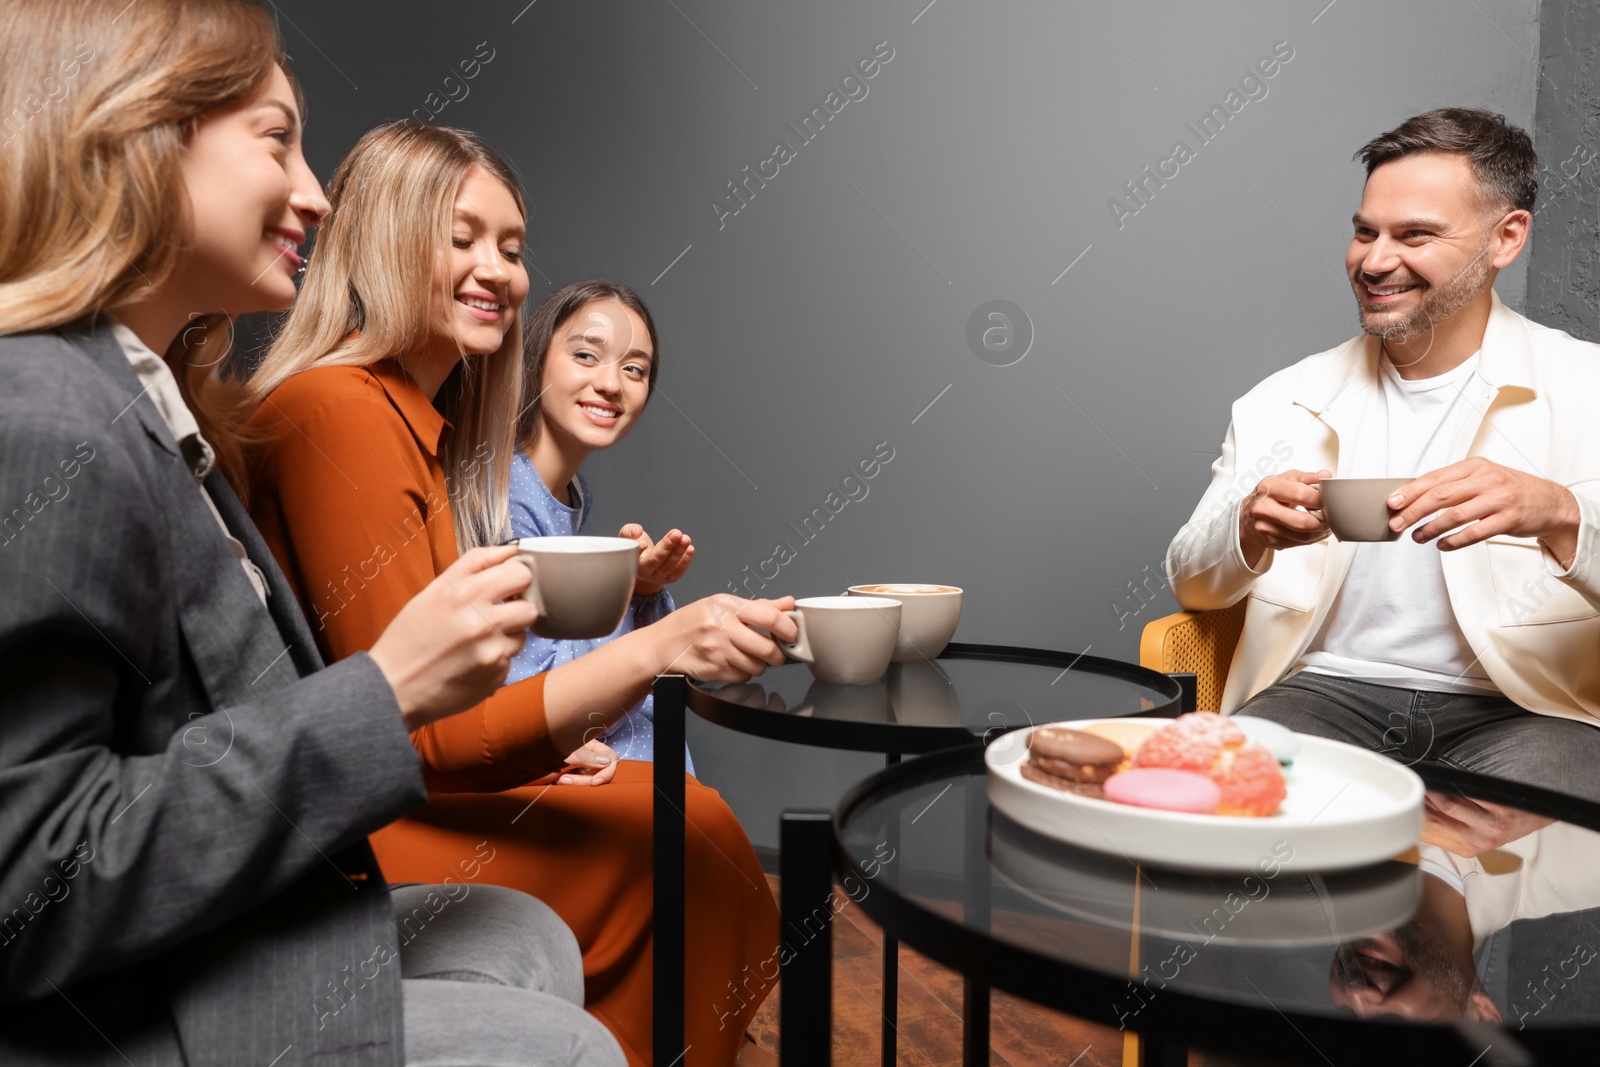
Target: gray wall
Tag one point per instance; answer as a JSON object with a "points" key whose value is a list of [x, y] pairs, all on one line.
{"points": [[1564, 272], [831, 311]]}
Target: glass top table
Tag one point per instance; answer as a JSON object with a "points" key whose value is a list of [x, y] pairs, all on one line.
{"points": [[970, 692], [1481, 945]]}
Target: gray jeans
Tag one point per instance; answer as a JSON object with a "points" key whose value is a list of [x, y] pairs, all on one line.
{"points": [[1485, 733], [493, 979]]}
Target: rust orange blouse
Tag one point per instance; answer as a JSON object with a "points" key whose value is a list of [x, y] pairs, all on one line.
{"points": [[349, 492]]}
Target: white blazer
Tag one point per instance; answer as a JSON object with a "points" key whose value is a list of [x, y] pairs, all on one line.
{"points": [[1534, 627]]}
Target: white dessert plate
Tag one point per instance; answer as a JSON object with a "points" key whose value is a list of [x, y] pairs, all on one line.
{"points": [[1346, 807]]}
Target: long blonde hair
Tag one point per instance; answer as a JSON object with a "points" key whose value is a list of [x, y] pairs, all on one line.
{"points": [[364, 299], [103, 96]]}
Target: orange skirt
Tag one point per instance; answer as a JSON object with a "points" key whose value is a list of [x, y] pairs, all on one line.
{"points": [[586, 852]]}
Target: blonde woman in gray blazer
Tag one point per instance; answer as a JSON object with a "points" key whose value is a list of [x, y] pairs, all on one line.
{"points": [[185, 791]]}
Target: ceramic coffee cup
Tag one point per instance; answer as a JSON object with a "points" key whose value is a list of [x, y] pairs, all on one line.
{"points": [[1357, 509], [845, 639], [928, 619], [581, 585]]}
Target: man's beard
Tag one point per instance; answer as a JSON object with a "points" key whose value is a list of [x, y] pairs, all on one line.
{"points": [[1429, 961], [1437, 303], [1432, 962]]}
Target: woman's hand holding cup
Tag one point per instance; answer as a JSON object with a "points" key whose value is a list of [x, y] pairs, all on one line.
{"points": [[720, 638], [450, 647]]}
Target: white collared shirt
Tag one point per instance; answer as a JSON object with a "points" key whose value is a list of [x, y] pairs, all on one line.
{"points": [[162, 389]]}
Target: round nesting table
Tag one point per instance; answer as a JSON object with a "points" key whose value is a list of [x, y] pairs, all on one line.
{"points": [[969, 694], [1479, 946]]}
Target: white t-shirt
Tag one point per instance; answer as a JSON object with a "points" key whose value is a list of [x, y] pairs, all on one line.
{"points": [[1392, 622]]}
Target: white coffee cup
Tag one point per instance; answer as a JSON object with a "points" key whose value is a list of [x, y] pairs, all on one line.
{"points": [[581, 585], [1357, 509], [928, 620], [845, 639]]}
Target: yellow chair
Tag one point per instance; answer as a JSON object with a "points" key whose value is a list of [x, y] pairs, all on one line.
{"points": [[1201, 642]]}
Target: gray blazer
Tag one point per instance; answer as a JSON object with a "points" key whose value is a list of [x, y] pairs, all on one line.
{"points": [[185, 792]]}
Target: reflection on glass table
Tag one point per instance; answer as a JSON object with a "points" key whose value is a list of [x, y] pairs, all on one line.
{"points": [[969, 691], [1492, 918], [968, 694], [1497, 883]]}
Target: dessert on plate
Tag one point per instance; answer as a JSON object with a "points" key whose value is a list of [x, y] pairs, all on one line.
{"points": [[1200, 763], [1245, 771]]}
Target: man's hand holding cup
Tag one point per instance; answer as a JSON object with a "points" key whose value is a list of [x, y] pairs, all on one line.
{"points": [[1283, 511]]}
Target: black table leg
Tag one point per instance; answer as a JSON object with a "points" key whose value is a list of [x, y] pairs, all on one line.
{"points": [[1189, 682], [974, 1023], [805, 873], [671, 705], [891, 954], [1161, 1052], [975, 995]]}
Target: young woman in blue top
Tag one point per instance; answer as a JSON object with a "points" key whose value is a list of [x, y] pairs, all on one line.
{"points": [[591, 364]]}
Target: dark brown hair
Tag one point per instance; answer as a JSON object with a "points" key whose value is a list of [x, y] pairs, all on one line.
{"points": [[1501, 154], [555, 309]]}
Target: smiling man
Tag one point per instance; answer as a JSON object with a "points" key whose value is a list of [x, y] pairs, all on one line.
{"points": [[1475, 637]]}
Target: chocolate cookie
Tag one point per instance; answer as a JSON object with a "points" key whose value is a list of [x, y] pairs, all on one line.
{"points": [[1073, 754], [1076, 772], [1033, 773]]}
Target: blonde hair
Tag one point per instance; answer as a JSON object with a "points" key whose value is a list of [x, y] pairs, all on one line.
{"points": [[393, 200], [103, 95]]}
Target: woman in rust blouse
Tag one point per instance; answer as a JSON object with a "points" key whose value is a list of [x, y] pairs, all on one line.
{"points": [[387, 419]]}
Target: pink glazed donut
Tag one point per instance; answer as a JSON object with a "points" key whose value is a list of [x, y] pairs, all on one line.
{"points": [[1165, 788]]}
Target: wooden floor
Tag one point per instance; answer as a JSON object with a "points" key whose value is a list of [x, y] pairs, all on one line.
{"points": [[929, 1027]]}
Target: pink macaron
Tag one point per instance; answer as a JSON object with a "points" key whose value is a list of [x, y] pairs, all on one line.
{"points": [[1165, 788]]}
